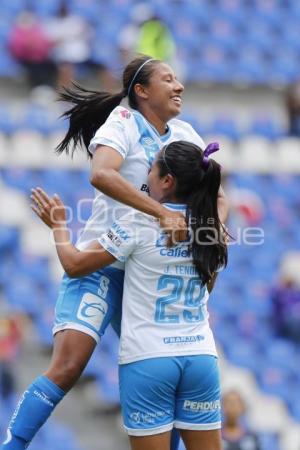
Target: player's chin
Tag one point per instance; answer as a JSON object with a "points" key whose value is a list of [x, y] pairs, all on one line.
{"points": [[175, 109]]}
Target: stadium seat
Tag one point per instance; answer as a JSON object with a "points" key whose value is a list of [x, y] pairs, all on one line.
{"points": [[4, 150], [269, 414], [244, 354], [225, 125], [227, 155], [12, 7], [275, 380], [8, 123], [27, 150], [269, 441], [8, 66], [38, 119], [288, 156], [255, 155], [36, 238], [14, 206], [53, 160], [265, 126]]}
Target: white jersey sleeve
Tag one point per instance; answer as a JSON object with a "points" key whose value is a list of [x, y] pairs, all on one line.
{"points": [[124, 236], [185, 131], [115, 132]]}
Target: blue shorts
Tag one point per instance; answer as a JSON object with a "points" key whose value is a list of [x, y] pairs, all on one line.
{"points": [[158, 394], [90, 303]]}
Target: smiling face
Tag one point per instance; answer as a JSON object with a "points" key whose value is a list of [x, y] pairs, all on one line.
{"points": [[163, 92]]}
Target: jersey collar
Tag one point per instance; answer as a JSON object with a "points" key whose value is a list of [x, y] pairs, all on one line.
{"points": [[163, 137], [175, 206]]}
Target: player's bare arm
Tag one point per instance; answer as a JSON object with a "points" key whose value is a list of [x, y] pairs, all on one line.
{"points": [[76, 263], [105, 177]]}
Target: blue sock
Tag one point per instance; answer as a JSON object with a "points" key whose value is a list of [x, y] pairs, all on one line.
{"points": [[32, 411], [175, 438]]}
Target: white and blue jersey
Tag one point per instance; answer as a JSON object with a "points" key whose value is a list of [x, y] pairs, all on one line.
{"points": [[134, 138], [137, 141], [168, 361], [164, 301]]}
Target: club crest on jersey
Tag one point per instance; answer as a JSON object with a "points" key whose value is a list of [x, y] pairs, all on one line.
{"points": [[125, 114], [92, 310]]}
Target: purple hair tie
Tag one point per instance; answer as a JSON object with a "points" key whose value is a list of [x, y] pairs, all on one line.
{"points": [[211, 148]]}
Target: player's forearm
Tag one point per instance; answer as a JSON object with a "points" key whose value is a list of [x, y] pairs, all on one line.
{"points": [[78, 263], [68, 255], [111, 183]]}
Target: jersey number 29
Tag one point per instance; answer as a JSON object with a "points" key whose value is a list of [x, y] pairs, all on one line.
{"points": [[191, 294]]}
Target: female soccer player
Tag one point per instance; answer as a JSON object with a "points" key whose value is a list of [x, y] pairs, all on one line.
{"points": [[168, 362], [122, 151]]}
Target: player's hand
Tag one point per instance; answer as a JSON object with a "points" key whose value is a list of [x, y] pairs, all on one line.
{"points": [[50, 210], [174, 224]]}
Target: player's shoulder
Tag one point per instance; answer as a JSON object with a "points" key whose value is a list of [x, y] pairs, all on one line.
{"points": [[181, 125], [185, 129], [137, 218], [122, 114], [122, 120]]}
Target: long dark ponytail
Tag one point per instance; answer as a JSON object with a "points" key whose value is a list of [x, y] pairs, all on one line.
{"points": [[91, 108], [197, 185]]}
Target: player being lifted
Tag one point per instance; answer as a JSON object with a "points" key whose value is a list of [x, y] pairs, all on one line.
{"points": [[168, 369]]}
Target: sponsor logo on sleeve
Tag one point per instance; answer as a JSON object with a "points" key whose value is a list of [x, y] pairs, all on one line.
{"points": [[114, 238], [122, 234]]}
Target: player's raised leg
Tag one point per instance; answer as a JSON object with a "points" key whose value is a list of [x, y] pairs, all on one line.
{"points": [[84, 308], [72, 351]]}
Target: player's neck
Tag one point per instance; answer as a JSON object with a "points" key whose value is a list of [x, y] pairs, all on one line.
{"points": [[159, 124], [169, 199]]}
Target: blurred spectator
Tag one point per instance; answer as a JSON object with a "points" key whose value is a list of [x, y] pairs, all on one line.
{"points": [[293, 107], [10, 337], [147, 34], [235, 434], [70, 35], [286, 298], [155, 39], [30, 45]]}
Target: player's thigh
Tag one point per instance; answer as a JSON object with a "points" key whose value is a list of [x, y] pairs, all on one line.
{"points": [[197, 440], [147, 393], [87, 304], [198, 403], [160, 441]]}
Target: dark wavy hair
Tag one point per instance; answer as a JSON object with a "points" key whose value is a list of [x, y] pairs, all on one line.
{"points": [[91, 108], [197, 186]]}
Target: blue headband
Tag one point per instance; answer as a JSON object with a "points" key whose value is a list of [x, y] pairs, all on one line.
{"points": [[137, 72]]}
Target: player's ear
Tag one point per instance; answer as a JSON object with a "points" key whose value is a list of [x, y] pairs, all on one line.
{"points": [[141, 91], [169, 182]]}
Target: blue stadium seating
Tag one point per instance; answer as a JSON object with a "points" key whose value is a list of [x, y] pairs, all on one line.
{"points": [[218, 24]]}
